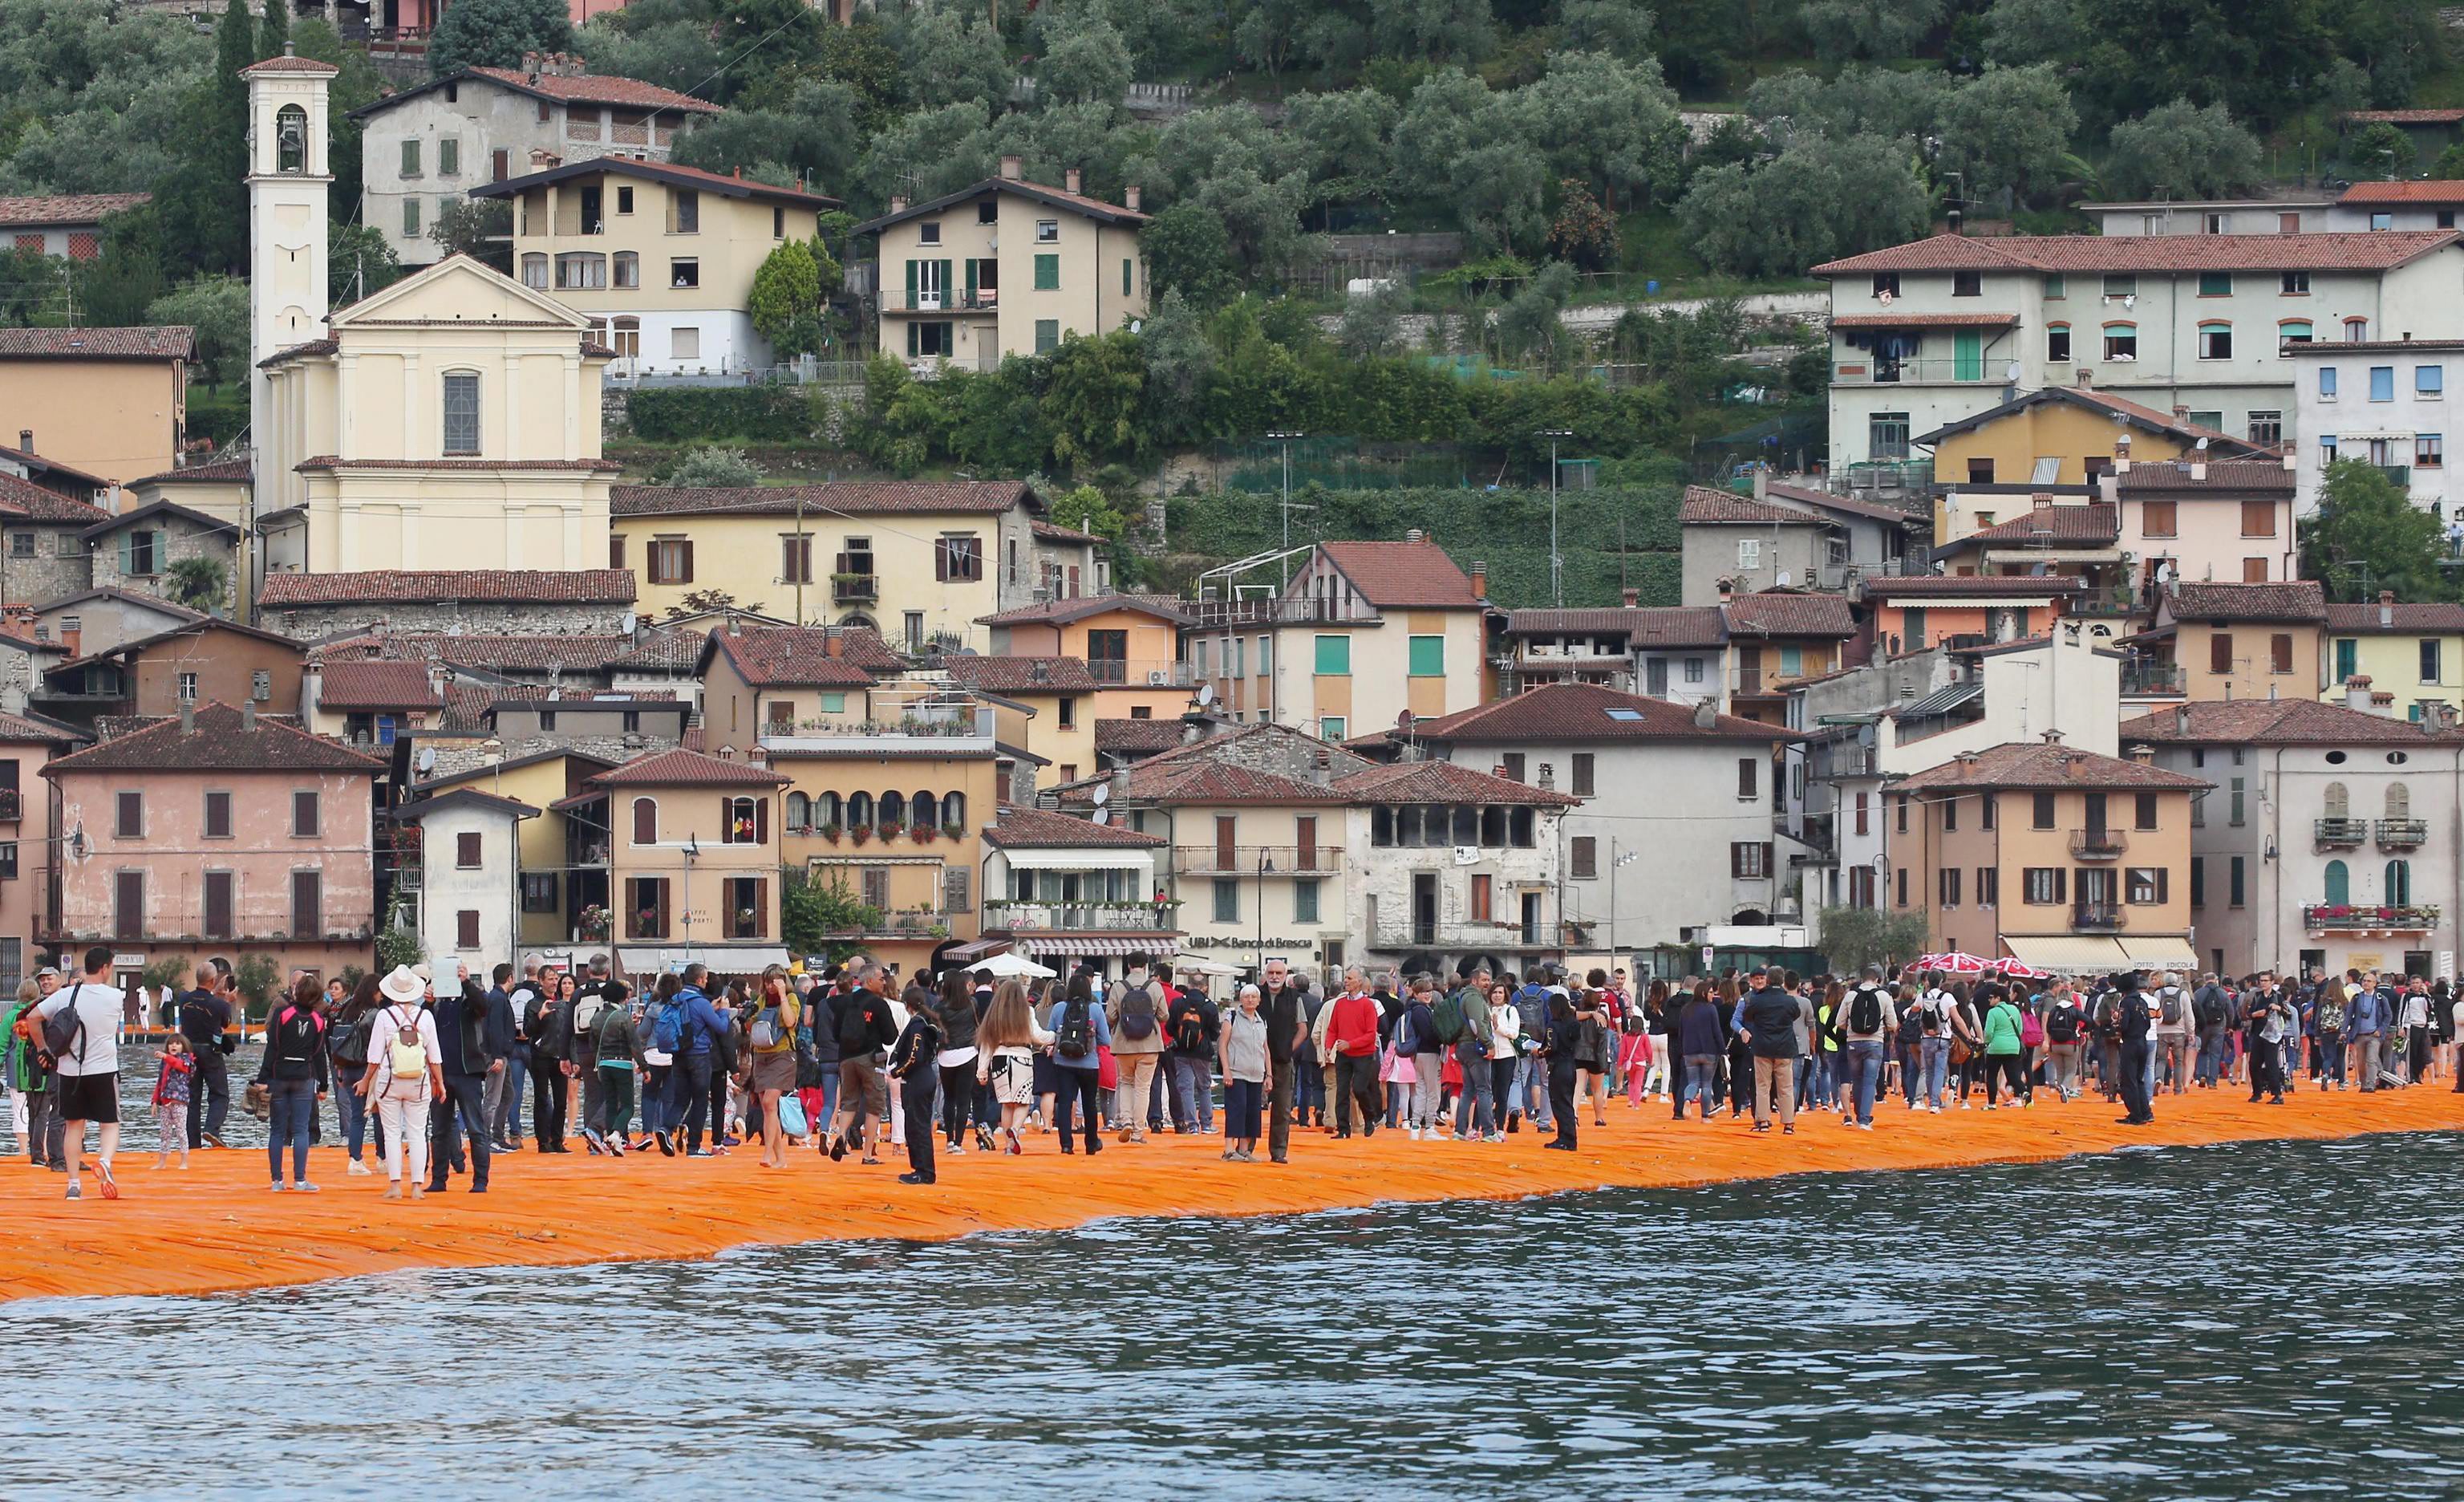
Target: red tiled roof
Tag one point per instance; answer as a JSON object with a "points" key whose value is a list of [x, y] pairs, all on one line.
{"points": [[1055, 532], [1781, 613], [2272, 721], [1037, 828], [581, 652], [221, 470], [1147, 736], [2354, 250], [1876, 511], [2155, 417], [1058, 197], [1203, 773], [2433, 192], [2092, 522], [1680, 625], [299, 351], [1022, 675], [2036, 764], [1582, 711], [287, 63], [799, 656], [68, 207], [19, 497], [2365, 620], [1444, 782], [662, 650], [2234, 475], [1926, 320], [174, 342], [218, 743], [596, 89], [375, 684], [1705, 507], [683, 768], [428, 586], [1059, 612], [2403, 116], [2288, 599], [1602, 621], [1394, 575], [1932, 585], [840, 498], [17, 729]]}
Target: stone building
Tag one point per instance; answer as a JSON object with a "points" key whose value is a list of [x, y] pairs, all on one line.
{"points": [[139, 549], [506, 600]]}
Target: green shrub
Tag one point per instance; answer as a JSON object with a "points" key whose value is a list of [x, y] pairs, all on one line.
{"points": [[768, 414]]}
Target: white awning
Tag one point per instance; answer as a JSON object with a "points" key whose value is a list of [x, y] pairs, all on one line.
{"points": [[724, 958], [2376, 435], [1081, 858], [2159, 952], [2068, 954], [2052, 555]]}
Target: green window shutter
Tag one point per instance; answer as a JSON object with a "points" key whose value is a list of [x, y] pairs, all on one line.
{"points": [[1428, 656], [1047, 273], [833, 704], [1334, 656], [911, 290], [911, 335], [127, 552], [971, 281], [1791, 661], [1125, 275], [1048, 336], [947, 285]]}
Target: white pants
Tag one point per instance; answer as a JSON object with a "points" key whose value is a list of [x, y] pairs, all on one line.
{"points": [[406, 1131], [18, 1119], [1660, 1076]]}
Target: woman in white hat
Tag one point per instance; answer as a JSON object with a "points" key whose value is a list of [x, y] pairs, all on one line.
{"points": [[405, 1071]]}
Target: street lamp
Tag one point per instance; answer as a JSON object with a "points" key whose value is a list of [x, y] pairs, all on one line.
{"points": [[1285, 436], [1615, 861], [1556, 561]]}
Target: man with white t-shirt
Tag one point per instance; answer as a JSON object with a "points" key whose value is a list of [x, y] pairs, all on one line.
{"points": [[89, 1068]]}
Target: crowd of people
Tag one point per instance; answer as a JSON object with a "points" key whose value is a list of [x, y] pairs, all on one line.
{"points": [[427, 1075]]}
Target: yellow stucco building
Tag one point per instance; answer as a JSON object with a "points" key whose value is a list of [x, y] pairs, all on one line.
{"points": [[2414, 653], [110, 401], [1985, 466], [1130, 643]]}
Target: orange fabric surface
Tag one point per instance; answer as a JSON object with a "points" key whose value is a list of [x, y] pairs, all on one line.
{"points": [[216, 1228]]}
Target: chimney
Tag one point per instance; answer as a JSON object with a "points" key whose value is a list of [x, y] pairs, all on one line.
{"points": [[1728, 590], [1413, 535], [1069, 180], [2357, 692], [248, 713], [2072, 760], [2181, 719], [897, 204], [1967, 760], [1956, 221], [2083, 378], [2041, 501], [1633, 599], [531, 63], [188, 717], [1478, 579], [2182, 413], [1011, 169], [1130, 198], [2386, 608], [2144, 754], [1120, 784], [2383, 702], [2052, 738], [25, 439]]}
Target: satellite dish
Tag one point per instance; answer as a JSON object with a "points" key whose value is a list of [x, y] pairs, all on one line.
{"points": [[2010, 373], [630, 620], [1103, 794], [2201, 446], [1404, 722], [1135, 325], [1103, 816], [427, 758], [1205, 693]]}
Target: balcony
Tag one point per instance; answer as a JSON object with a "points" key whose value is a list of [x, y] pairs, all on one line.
{"points": [[1299, 610], [898, 299], [2332, 835], [1159, 673], [1251, 860], [2151, 677], [1467, 935], [931, 721], [1080, 917], [2108, 600], [2402, 834], [2098, 844], [2399, 475], [2097, 917], [1864, 369], [854, 588], [2342, 917], [13, 805]]}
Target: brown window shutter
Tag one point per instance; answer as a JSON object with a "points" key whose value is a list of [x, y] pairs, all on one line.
{"points": [[663, 909], [689, 572], [2061, 884], [466, 928], [761, 908], [941, 558], [726, 821], [761, 821], [2164, 883], [645, 822], [2220, 651], [1767, 858], [615, 550], [1736, 861]]}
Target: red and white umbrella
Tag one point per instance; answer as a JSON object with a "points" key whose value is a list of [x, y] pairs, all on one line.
{"points": [[1953, 961], [2021, 970]]}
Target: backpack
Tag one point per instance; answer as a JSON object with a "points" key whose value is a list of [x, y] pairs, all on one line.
{"points": [[1189, 1032], [2205, 1010], [769, 1029], [666, 1028], [1865, 1011], [1929, 1017], [1450, 1016], [2031, 1032], [407, 1059], [64, 1032], [586, 1009], [2168, 1005], [295, 1036], [1137, 1014], [2062, 1022], [2331, 1016], [351, 1042], [2108, 1015], [1406, 1045], [1076, 1039]]}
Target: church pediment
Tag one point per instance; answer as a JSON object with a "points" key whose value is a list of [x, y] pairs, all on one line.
{"points": [[458, 291]]}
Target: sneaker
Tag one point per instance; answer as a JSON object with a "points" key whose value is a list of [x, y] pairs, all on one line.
{"points": [[666, 1145], [111, 1186], [912, 1178], [303, 1187], [1416, 1133], [278, 1187], [358, 1169], [75, 1193], [213, 1138], [700, 1152]]}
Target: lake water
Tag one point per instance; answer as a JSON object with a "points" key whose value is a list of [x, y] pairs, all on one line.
{"points": [[2261, 1320]]}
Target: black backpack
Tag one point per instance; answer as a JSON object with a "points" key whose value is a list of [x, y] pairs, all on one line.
{"points": [[1189, 1032], [1865, 1011], [2062, 1022], [1077, 1036], [1137, 1014], [296, 1039], [63, 1034], [1928, 1019]]}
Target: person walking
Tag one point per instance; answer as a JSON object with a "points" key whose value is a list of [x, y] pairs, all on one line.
{"points": [[1563, 1056], [1868, 1026], [770, 1048], [618, 1062], [956, 1010], [1935, 1009], [2066, 1031], [350, 1036], [693, 1029], [1285, 1026], [1769, 1016], [1243, 1055], [864, 1034], [1700, 1040], [1137, 1018], [504, 1093], [1527, 1093], [294, 1072], [405, 1075], [913, 1059], [2367, 1020], [2268, 1018], [1596, 1048], [1506, 1050], [549, 1023], [1008, 1039], [1419, 1028], [1080, 1033], [589, 1000], [2005, 1046], [471, 1046], [30, 1094], [2135, 1016], [86, 1047], [205, 1014], [1196, 1027], [1352, 1039], [1660, 1059]]}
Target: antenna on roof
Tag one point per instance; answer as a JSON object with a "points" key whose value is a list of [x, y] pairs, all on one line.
{"points": [[427, 758]]}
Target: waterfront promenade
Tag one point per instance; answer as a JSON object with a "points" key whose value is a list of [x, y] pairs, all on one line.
{"points": [[216, 1228]]}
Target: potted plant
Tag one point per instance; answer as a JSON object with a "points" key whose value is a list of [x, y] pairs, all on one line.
{"points": [[593, 921], [893, 830], [861, 834], [925, 833], [953, 831], [830, 833]]}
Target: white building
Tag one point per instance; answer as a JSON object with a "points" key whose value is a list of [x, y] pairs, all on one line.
{"points": [[469, 884], [1929, 333], [2383, 400], [2214, 216], [423, 149]]}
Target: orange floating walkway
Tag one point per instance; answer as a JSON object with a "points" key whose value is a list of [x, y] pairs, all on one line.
{"points": [[217, 1229]]}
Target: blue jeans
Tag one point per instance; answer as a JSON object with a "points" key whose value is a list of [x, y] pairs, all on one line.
{"points": [[1192, 1081], [1864, 1073], [1937, 1064], [1911, 1069], [2331, 1054], [350, 1109], [1531, 1089], [1701, 1071], [293, 1117], [2211, 1057], [1472, 1116], [507, 1125]]}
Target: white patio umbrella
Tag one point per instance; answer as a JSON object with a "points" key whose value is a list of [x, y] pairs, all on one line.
{"points": [[1006, 964]]}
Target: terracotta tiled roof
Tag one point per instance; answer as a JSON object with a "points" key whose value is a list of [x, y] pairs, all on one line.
{"points": [[596, 89], [334, 461], [2290, 600], [371, 684], [1444, 782], [1037, 828], [68, 207], [218, 743], [287, 63], [2036, 765], [305, 349], [16, 729], [683, 768], [222, 471], [165, 342], [844, 497], [2434, 193], [1022, 675], [2137, 414], [2157, 417], [2233, 475], [1141, 736], [428, 586], [662, 649], [1926, 320], [2272, 721], [1872, 510], [1780, 612], [2093, 523], [2403, 116], [1058, 197], [1705, 507], [1058, 612], [1055, 532], [465, 706], [2354, 250], [1394, 575], [799, 656], [2369, 620], [1922, 586], [1588, 712], [36, 503], [1668, 626], [500, 653]]}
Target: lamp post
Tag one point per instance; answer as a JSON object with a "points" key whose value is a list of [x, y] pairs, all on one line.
{"points": [[1265, 869], [1616, 860], [1556, 561], [1286, 438]]}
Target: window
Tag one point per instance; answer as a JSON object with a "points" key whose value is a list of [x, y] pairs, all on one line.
{"points": [[2357, 331], [538, 892], [1749, 861], [2056, 287], [1950, 813], [2326, 382], [129, 816], [2266, 426], [1749, 777], [1902, 815], [188, 688], [1694, 669], [307, 904], [1333, 657], [410, 157], [1584, 772], [646, 821], [1047, 273], [1585, 855], [2144, 885], [2210, 418], [218, 813], [1886, 284], [2280, 652], [2429, 450], [2215, 342], [1886, 435], [1510, 766], [2160, 517], [1947, 882], [929, 232], [461, 412], [581, 270], [2215, 284], [2220, 652], [684, 207], [2381, 221], [1428, 657], [2120, 284], [2057, 341], [1227, 900], [448, 157], [466, 929], [958, 557], [1980, 471], [307, 817], [2044, 886], [2429, 381], [2294, 284], [2382, 383], [671, 561], [645, 907], [21, 544], [2233, 805], [988, 211], [2398, 891], [1127, 265], [1966, 285], [1330, 727], [2121, 342], [1048, 336], [221, 887], [684, 270], [2258, 519], [2327, 449], [796, 558], [1988, 887], [410, 218], [627, 271], [1903, 884], [1047, 231]]}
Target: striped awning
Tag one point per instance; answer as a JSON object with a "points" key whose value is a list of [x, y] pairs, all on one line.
{"points": [[2069, 953], [1089, 947], [2159, 952]]}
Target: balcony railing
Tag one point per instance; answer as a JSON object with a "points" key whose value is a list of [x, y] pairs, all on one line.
{"points": [[2340, 833], [2097, 917], [2097, 844], [1103, 917], [1865, 370], [2344, 917], [898, 299], [1299, 610], [2399, 475], [2144, 677], [854, 588], [1136, 671], [2110, 599], [1467, 935], [1250, 860], [2402, 834]]}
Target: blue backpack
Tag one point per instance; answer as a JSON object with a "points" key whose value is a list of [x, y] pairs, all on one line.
{"points": [[668, 1027]]}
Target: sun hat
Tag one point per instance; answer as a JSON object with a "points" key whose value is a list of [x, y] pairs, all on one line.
{"points": [[403, 986]]}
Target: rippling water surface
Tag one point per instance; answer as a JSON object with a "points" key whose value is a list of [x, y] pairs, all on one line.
{"points": [[2263, 1320]]}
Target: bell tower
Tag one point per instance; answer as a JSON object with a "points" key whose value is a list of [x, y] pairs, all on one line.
{"points": [[287, 179]]}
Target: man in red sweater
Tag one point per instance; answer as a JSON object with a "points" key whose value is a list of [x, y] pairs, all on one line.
{"points": [[1351, 1037]]}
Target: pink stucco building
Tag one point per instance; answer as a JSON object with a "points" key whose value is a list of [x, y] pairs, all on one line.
{"points": [[27, 745]]}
